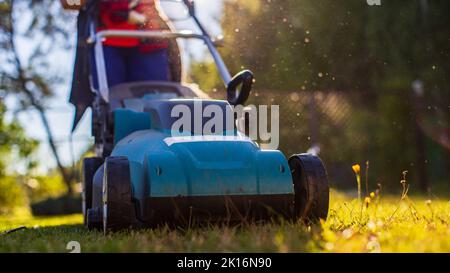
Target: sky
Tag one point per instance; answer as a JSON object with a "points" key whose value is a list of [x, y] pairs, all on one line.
{"points": [[61, 113]]}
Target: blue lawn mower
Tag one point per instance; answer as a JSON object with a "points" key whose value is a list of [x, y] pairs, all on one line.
{"points": [[144, 175]]}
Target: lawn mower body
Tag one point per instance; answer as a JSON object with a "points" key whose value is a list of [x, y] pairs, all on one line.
{"points": [[146, 172], [171, 173]]}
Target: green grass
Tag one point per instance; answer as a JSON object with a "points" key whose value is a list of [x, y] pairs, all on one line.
{"points": [[386, 225]]}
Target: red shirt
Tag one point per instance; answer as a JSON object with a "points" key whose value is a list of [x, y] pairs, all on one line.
{"points": [[114, 16]]}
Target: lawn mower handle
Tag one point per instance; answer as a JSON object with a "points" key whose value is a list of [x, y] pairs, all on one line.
{"points": [[100, 61], [244, 77]]}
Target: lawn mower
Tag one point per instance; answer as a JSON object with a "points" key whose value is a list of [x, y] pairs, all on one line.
{"points": [[144, 175]]}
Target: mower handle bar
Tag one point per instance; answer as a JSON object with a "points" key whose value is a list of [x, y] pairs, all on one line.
{"points": [[98, 38]]}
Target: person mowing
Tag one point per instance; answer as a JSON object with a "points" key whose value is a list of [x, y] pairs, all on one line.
{"points": [[126, 59]]}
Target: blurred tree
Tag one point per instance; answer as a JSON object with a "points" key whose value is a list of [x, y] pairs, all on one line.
{"points": [[14, 146], [37, 27], [14, 141]]}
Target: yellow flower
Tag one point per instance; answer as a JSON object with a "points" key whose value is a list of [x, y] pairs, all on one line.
{"points": [[372, 195], [356, 168], [367, 200]]}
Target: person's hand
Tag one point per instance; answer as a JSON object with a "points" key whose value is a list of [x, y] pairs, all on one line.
{"points": [[136, 18]]}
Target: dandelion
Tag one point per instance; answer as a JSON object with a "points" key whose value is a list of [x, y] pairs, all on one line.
{"points": [[357, 169], [372, 195]]}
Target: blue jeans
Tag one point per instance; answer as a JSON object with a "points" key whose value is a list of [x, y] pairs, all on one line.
{"points": [[128, 64]]}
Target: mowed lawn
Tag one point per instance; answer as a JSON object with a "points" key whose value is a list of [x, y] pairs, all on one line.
{"points": [[385, 224]]}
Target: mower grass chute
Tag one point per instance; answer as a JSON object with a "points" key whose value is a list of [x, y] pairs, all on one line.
{"points": [[144, 174]]}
